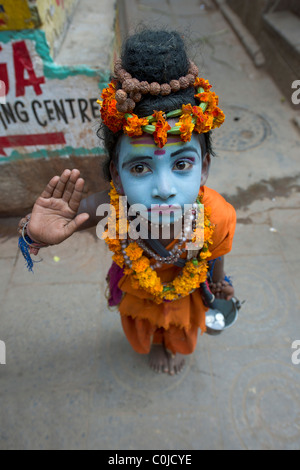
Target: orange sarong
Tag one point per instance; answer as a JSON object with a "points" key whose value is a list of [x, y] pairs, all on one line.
{"points": [[175, 324]]}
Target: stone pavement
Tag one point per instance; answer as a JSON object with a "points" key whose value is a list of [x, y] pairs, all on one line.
{"points": [[71, 381]]}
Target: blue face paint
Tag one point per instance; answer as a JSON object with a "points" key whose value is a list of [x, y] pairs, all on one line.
{"points": [[168, 177]]}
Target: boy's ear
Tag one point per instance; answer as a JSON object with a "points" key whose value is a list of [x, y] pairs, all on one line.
{"points": [[116, 178], [205, 169]]}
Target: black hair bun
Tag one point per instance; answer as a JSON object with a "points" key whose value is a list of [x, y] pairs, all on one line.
{"points": [[155, 56]]}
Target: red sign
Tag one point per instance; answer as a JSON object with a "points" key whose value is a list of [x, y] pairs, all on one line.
{"points": [[31, 139]]}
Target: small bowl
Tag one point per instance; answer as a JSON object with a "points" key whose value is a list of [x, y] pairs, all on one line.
{"points": [[229, 309]]}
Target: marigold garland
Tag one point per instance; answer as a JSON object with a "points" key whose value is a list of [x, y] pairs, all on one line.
{"points": [[200, 118], [146, 278]]}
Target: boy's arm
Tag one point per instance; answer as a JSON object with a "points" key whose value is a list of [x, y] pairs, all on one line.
{"points": [[220, 287], [218, 272]]}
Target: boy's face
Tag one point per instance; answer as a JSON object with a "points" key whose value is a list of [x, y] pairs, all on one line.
{"points": [[169, 177]]}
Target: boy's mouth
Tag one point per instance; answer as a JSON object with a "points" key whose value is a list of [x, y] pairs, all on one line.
{"points": [[164, 208]]}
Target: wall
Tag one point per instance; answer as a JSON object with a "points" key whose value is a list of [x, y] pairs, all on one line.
{"points": [[18, 14], [55, 16], [48, 113]]}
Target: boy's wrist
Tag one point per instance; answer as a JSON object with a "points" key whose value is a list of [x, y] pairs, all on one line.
{"points": [[228, 280], [37, 244], [23, 230]]}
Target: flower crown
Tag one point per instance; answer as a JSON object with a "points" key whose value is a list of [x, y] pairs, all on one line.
{"points": [[116, 106]]}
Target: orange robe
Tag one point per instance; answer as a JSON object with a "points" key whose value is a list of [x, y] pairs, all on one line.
{"points": [[175, 323]]}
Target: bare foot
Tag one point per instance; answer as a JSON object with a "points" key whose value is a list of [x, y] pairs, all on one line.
{"points": [[161, 360], [158, 359], [176, 362]]}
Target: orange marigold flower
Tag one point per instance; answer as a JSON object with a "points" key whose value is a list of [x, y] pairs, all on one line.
{"points": [[161, 129], [200, 82], [187, 109], [186, 127], [216, 99], [134, 125], [208, 122], [204, 120], [213, 101], [218, 116], [109, 114], [201, 119], [203, 97]]}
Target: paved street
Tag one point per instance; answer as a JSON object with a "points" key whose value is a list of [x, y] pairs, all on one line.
{"points": [[71, 380]]}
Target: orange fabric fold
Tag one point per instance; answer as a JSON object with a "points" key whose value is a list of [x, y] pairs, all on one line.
{"points": [[178, 320]]}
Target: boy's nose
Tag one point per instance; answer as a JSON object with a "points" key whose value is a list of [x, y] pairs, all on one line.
{"points": [[163, 190]]}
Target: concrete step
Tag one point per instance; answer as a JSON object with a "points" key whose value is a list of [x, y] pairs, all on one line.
{"points": [[90, 36], [284, 28], [280, 42]]}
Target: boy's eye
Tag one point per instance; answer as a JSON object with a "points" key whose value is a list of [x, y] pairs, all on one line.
{"points": [[139, 169], [182, 165]]}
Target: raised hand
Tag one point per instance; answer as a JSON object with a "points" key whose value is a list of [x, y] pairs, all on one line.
{"points": [[54, 216]]}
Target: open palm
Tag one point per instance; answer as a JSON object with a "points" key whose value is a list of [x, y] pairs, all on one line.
{"points": [[54, 216]]}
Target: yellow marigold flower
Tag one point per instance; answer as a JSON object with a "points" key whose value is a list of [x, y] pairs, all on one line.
{"points": [[208, 233], [148, 278], [158, 288], [205, 254], [127, 270], [118, 259], [141, 264], [134, 251], [114, 196], [191, 268], [113, 244]]}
